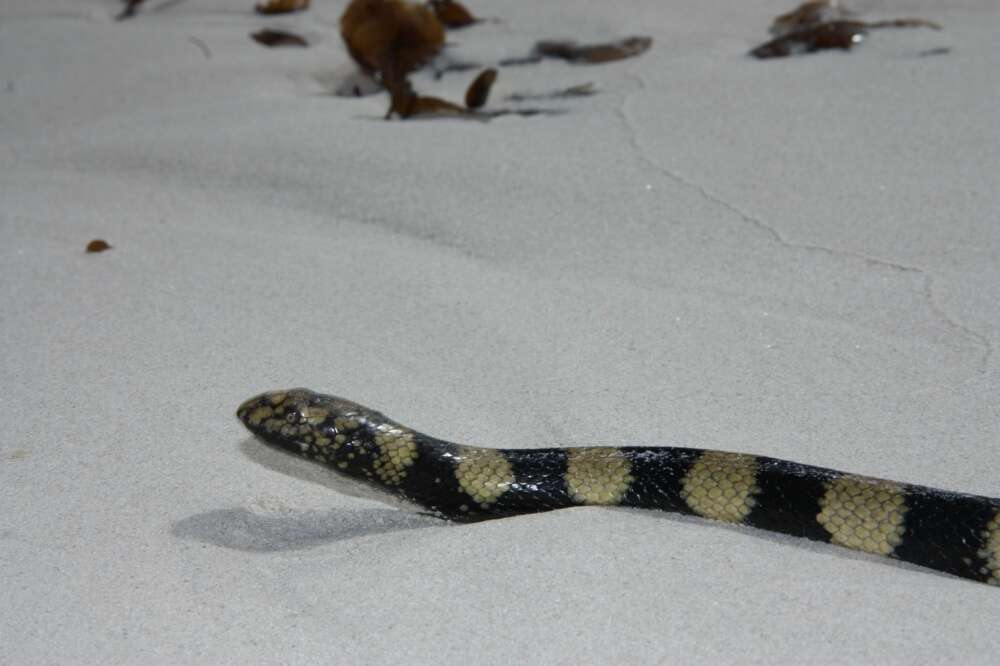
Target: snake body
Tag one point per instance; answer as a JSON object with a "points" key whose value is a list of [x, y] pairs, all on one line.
{"points": [[951, 532]]}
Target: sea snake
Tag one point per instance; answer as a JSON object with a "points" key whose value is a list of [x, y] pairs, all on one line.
{"points": [[951, 532]]}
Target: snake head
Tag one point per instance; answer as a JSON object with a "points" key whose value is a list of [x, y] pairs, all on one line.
{"points": [[299, 420], [341, 434]]}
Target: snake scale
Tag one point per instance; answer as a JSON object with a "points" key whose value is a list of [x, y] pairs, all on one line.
{"points": [[950, 532]]}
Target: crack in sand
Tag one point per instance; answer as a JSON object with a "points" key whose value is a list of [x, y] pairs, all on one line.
{"points": [[980, 340]]}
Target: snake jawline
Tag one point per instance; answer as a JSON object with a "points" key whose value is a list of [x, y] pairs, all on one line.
{"points": [[950, 532]]}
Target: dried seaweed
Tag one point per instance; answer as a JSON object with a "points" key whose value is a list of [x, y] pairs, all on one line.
{"points": [[584, 54], [823, 24], [832, 35], [390, 38], [282, 6], [594, 54], [809, 14], [406, 103], [272, 38]]}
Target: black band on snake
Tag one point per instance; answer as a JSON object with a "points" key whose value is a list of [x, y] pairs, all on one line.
{"points": [[950, 532]]}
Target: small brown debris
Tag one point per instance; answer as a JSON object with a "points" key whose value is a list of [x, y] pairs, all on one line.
{"points": [[479, 90], [452, 14], [282, 6], [97, 245], [274, 38], [593, 54]]}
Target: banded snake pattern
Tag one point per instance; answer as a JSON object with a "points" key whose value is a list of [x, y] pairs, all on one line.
{"points": [[951, 532]]}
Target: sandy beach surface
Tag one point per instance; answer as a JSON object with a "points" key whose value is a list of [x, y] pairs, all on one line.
{"points": [[797, 258]]}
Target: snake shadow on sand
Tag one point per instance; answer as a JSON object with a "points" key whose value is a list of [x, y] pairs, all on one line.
{"points": [[241, 528]]}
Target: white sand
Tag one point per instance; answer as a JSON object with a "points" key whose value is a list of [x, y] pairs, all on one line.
{"points": [[796, 258]]}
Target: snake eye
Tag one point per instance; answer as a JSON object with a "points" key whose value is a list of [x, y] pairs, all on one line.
{"points": [[292, 416]]}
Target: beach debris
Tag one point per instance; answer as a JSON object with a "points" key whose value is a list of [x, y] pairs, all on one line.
{"points": [[390, 38], [281, 6], [97, 245], [129, 10], [824, 24], [584, 54], [452, 14], [272, 38], [406, 103], [479, 90], [809, 14], [594, 54], [830, 35], [581, 90]]}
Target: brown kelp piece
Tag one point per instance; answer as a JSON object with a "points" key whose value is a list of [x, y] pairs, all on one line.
{"points": [[406, 103], [816, 25], [281, 6], [97, 245], [593, 54], [390, 37], [479, 90], [808, 14], [434, 106], [402, 100], [452, 14], [832, 35], [274, 38], [129, 10]]}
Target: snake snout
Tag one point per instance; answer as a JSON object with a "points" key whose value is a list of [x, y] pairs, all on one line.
{"points": [[265, 412]]}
